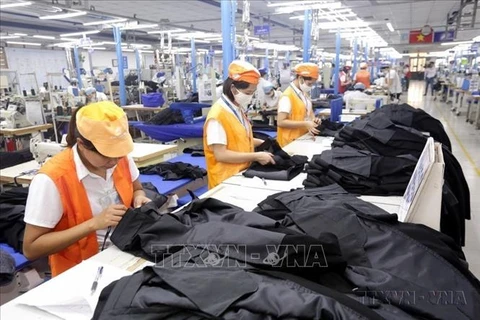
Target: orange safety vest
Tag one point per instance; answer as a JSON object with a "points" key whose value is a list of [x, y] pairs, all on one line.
{"points": [[237, 140], [298, 113], [76, 207], [363, 76]]}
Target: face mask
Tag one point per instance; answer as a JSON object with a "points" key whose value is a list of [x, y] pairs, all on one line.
{"points": [[304, 87], [243, 99]]}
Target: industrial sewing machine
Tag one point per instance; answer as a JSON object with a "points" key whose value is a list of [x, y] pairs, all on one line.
{"points": [[13, 115], [44, 150]]}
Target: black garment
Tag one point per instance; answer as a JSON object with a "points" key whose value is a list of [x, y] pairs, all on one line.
{"points": [[7, 268], [196, 150], [12, 158], [166, 117], [329, 128], [175, 170], [152, 193], [360, 171], [16, 195], [12, 212], [263, 127], [286, 167], [406, 115]]}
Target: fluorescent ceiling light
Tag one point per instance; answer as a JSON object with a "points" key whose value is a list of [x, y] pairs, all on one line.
{"points": [[13, 5], [25, 43], [64, 15], [146, 51], [297, 7], [455, 43], [128, 50], [21, 34], [196, 40], [166, 31], [9, 37], [66, 35], [140, 26], [292, 3], [342, 24], [474, 39], [43, 37], [137, 45], [109, 42], [343, 13], [96, 48], [111, 21], [390, 27]]}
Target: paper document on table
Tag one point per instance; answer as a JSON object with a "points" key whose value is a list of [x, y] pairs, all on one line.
{"points": [[71, 297]]}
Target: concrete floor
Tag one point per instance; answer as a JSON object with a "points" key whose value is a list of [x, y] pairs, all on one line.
{"points": [[466, 148]]}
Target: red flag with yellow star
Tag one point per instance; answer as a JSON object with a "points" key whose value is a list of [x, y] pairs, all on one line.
{"points": [[416, 36]]}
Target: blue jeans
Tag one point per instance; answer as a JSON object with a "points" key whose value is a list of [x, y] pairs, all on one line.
{"points": [[429, 81]]}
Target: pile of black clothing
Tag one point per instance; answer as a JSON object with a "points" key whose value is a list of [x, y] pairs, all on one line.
{"points": [[406, 115], [360, 171], [12, 158], [329, 128], [286, 167], [307, 254], [175, 171], [166, 117], [196, 150], [12, 212]]}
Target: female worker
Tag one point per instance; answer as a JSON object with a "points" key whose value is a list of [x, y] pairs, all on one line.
{"points": [[228, 139], [295, 115], [84, 190]]}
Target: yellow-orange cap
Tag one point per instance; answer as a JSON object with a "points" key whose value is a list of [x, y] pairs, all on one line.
{"points": [[106, 126], [243, 71], [307, 69]]}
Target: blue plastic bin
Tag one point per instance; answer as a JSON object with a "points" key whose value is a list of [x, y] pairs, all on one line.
{"points": [[153, 100], [188, 109]]}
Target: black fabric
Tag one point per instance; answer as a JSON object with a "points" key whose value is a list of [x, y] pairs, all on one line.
{"points": [[12, 158], [416, 118], [7, 268], [286, 167], [15, 195], [166, 117], [175, 170], [263, 127], [196, 150], [329, 128], [360, 171], [152, 193], [12, 212]]}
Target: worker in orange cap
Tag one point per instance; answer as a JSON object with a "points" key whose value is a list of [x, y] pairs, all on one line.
{"points": [[363, 76], [295, 115], [227, 135]]}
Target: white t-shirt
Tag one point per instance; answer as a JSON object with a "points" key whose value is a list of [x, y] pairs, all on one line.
{"points": [[430, 72], [272, 102], [216, 134], [284, 104], [395, 86], [44, 207]]}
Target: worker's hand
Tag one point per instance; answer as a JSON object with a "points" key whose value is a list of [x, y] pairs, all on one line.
{"points": [[264, 158], [312, 127], [140, 200], [318, 121], [109, 217]]}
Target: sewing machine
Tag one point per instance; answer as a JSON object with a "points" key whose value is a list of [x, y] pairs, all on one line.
{"points": [[44, 150], [14, 115]]}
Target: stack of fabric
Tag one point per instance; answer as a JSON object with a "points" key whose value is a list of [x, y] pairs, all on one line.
{"points": [[323, 254], [175, 170], [286, 167], [360, 171]]}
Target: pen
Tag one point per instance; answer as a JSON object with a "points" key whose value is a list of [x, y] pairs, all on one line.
{"points": [[97, 278], [106, 237], [264, 182]]}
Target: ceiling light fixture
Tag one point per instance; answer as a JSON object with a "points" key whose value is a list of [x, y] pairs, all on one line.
{"points": [[9, 37], [291, 9], [64, 15], [292, 3], [111, 21], [390, 27], [25, 43], [44, 37], [13, 5], [140, 26], [66, 35], [166, 31], [21, 34], [455, 43]]}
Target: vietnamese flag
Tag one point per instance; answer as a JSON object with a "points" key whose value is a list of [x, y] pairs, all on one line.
{"points": [[416, 36]]}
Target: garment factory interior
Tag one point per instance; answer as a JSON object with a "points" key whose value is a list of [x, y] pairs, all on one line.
{"points": [[239, 159]]}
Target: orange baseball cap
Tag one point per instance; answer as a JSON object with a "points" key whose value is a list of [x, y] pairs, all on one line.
{"points": [[243, 71], [307, 69], [106, 126]]}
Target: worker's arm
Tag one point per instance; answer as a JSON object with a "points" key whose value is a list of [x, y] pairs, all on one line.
{"points": [[40, 242], [283, 122], [257, 142], [139, 196], [222, 154]]}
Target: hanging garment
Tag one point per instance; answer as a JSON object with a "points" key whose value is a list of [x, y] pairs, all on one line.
{"points": [[286, 167], [175, 171]]}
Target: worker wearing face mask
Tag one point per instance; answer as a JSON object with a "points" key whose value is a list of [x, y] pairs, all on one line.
{"points": [[228, 139], [94, 96], [272, 96], [295, 114]]}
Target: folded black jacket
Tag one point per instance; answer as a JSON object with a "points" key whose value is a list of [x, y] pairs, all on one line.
{"points": [[195, 151], [175, 170], [166, 117], [286, 167], [329, 128]]}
